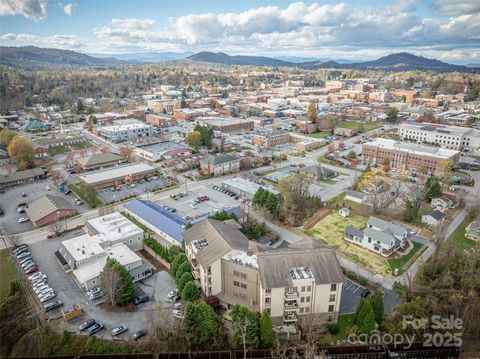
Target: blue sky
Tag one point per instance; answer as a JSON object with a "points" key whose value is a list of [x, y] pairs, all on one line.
{"points": [[445, 29]]}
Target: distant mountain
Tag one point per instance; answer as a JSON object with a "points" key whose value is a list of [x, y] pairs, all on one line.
{"points": [[473, 65], [31, 58], [152, 56], [221, 58]]}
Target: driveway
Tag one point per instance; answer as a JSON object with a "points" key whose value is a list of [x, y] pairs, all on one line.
{"points": [[351, 297]]}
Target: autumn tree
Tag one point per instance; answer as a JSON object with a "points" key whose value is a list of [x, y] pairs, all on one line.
{"points": [[312, 112], [126, 152], [341, 145], [6, 136], [21, 152], [103, 149], [331, 148], [194, 140]]}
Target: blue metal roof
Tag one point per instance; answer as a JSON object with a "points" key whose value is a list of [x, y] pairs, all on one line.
{"points": [[159, 217]]}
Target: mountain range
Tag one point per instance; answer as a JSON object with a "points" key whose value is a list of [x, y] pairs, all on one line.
{"points": [[31, 58]]}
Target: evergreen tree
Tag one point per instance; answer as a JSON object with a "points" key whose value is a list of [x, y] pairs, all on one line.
{"points": [[116, 282], [408, 212], [433, 188], [80, 107], [377, 304], [201, 325], [177, 261], [267, 334], [246, 325], [185, 267], [190, 292], [184, 279]]}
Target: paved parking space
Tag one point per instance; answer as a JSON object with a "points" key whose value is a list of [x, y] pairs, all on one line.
{"points": [[156, 286], [350, 296], [126, 191], [13, 196], [217, 201]]}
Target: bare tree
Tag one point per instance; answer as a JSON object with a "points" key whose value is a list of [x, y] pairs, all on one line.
{"points": [[13, 240], [56, 228], [111, 283]]}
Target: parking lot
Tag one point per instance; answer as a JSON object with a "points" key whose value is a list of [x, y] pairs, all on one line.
{"points": [[217, 201], [108, 196], [13, 196], [350, 296], [66, 290]]}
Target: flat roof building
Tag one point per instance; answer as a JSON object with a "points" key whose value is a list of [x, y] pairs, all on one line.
{"points": [[404, 156], [162, 150], [227, 124], [125, 130], [246, 188], [112, 176]]}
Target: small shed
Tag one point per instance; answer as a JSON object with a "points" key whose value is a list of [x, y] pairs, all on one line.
{"points": [[344, 212]]}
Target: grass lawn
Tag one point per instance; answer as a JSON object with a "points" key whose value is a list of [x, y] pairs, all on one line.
{"points": [[63, 149], [362, 127], [339, 201], [458, 239], [7, 273], [331, 229], [418, 220], [345, 321], [321, 134], [400, 262]]}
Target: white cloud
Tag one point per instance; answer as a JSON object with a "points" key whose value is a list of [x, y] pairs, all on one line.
{"points": [[458, 7], [68, 9], [55, 41], [31, 9]]}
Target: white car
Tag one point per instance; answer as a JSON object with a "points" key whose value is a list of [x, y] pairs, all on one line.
{"points": [[23, 219], [172, 293], [48, 188], [193, 206], [48, 297]]}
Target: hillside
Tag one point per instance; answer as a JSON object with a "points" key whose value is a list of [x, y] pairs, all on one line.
{"points": [[221, 58], [32, 58]]}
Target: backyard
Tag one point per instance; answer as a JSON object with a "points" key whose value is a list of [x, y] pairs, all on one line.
{"points": [[7, 273], [331, 229], [399, 263], [458, 239]]}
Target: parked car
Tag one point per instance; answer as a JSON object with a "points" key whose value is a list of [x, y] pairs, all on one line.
{"points": [[141, 333], [1, 211], [25, 259], [24, 254], [95, 328], [141, 299], [31, 270], [48, 297], [365, 293], [93, 291], [96, 295], [20, 248], [24, 194], [53, 305], [23, 220], [192, 206], [21, 209], [172, 293], [86, 324], [119, 330], [48, 188]]}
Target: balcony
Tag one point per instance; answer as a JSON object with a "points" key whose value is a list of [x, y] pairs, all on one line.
{"points": [[290, 318], [291, 295], [291, 306], [196, 274]]}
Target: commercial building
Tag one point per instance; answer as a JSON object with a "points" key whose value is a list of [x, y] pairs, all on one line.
{"points": [[160, 121], [227, 124], [299, 284], [271, 139], [100, 160], [380, 236], [49, 209], [113, 176], [111, 236], [125, 130], [220, 164], [19, 177], [163, 106], [408, 156], [162, 150], [246, 188], [345, 132], [452, 137]]}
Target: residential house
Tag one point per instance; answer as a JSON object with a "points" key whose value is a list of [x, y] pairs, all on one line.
{"points": [[444, 202], [433, 218], [380, 236], [317, 172], [473, 230]]}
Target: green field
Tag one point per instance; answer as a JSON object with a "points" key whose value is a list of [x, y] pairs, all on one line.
{"points": [[458, 239], [7, 273], [361, 127], [321, 134], [400, 262]]}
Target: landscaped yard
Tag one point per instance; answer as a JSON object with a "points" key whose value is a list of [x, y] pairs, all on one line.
{"points": [[331, 230], [321, 134], [358, 208], [400, 262], [361, 127], [458, 239], [63, 149], [7, 273]]}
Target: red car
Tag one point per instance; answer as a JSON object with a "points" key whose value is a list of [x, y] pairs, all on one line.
{"points": [[31, 270]]}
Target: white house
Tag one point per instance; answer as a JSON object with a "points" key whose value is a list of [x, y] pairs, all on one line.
{"points": [[380, 236], [433, 218], [344, 212], [444, 202]]}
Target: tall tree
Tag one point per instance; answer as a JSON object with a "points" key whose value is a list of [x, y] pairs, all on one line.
{"points": [[201, 326], [21, 152], [6, 136], [432, 188], [116, 282], [245, 323], [392, 114], [267, 334], [194, 140], [312, 112], [377, 305], [190, 292], [177, 261]]}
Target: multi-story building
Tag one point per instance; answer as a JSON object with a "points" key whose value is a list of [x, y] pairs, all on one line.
{"points": [[453, 137], [220, 164], [271, 139], [125, 130], [162, 150], [160, 121], [301, 283], [408, 157], [163, 106], [227, 124]]}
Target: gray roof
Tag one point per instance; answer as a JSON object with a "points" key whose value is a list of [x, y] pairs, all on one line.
{"points": [[355, 194], [22, 175], [384, 232], [274, 265], [99, 159], [218, 159], [318, 171], [354, 232], [45, 206], [436, 214]]}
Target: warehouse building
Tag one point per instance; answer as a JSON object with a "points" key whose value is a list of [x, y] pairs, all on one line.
{"points": [[112, 176], [100, 160], [162, 150], [246, 188]]}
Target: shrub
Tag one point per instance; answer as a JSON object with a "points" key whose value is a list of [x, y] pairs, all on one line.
{"points": [[333, 329]]}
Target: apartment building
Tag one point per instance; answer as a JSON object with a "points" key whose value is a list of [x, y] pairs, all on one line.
{"points": [[446, 136], [271, 139], [408, 157], [456, 117], [226, 124], [125, 130], [220, 164], [163, 106], [299, 284]]}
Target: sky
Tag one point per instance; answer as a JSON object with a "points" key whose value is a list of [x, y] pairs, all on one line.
{"points": [[448, 30]]}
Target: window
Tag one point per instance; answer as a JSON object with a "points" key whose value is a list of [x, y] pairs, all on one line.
{"points": [[301, 310], [330, 318], [332, 298], [236, 283], [243, 285], [307, 309], [303, 288], [333, 287], [308, 299], [268, 300], [302, 300], [239, 274], [331, 308], [309, 288]]}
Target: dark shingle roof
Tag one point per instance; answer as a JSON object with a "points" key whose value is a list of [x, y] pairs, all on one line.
{"points": [[218, 159]]}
